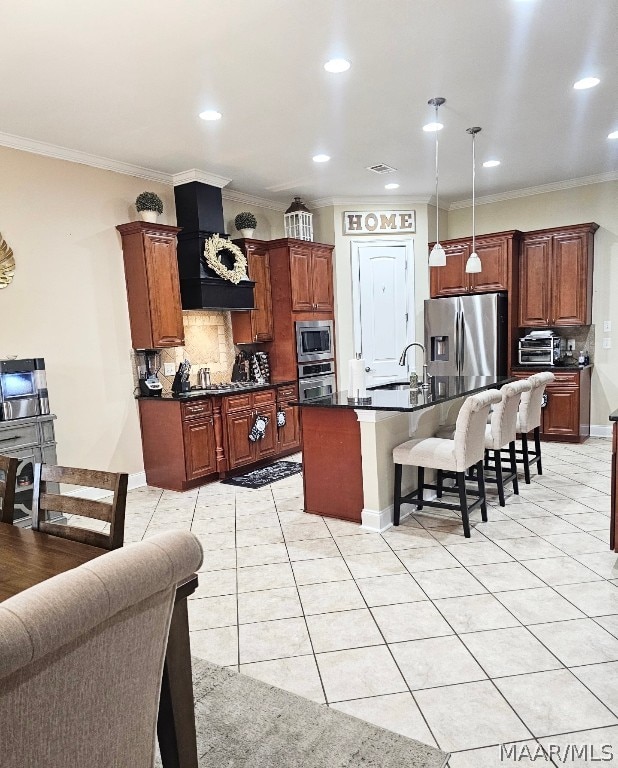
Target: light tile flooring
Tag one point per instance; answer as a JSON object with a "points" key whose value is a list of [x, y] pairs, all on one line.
{"points": [[511, 636]]}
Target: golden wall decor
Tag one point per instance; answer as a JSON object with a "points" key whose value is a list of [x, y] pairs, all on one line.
{"points": [[7, 263]]}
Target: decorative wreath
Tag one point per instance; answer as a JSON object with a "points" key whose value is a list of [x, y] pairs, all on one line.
{"points": [[213, 246]]}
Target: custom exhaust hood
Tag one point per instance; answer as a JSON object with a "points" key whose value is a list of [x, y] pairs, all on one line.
{"points": [[199, 211]]}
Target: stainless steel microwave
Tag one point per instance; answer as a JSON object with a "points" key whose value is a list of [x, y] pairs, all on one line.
{"points": [[314, 340]]}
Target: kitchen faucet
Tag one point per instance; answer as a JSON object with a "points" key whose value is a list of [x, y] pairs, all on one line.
{"points": [[402, 361]]}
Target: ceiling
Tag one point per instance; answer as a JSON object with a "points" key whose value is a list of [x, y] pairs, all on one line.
{"points": [[126, 81]]}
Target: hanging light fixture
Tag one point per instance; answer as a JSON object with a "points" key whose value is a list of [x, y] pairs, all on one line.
{"points": [[437, 257], [474, 263]]}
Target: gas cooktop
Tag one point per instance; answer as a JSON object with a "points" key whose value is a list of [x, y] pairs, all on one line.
{"points": [[229, 386]]}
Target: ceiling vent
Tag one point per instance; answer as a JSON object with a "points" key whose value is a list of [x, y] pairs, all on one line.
{"points": [[381, 168]]}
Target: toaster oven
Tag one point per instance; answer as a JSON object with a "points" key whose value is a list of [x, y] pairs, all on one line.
{"points": [[541, 350]]}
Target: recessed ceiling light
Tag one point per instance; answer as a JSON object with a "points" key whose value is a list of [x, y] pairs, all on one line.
{"points": [[210, 114], [432, 127], [586, 82], [321, 158], [337, 65], [391, 186], [613, 135], [491, 163]]}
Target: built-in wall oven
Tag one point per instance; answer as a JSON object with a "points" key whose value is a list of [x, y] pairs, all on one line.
{"points": [[314, 341], [316, 380]]}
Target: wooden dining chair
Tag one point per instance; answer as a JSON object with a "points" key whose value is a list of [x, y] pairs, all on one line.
{"points": [[8, 470], [110, 512]]}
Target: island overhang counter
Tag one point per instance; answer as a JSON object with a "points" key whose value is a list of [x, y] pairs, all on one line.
{"points": [[347, 444]]}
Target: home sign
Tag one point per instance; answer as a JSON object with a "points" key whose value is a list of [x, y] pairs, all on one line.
{"points": [[378, 222]]}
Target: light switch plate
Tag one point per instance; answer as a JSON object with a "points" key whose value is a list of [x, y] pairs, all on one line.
{"points": [[607, 326], [607, 343], [168, 369]]}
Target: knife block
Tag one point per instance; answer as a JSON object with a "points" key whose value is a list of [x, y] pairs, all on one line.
{"points": [[178, 385]]}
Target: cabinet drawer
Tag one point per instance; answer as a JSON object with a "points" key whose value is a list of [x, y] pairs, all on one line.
{"points": [[264, 398], [196, 410], [566, 379], [16, 437], [287, 392], [237, 402]]}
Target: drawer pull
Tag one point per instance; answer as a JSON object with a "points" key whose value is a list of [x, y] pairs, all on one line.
{"points": [[9, 439]]}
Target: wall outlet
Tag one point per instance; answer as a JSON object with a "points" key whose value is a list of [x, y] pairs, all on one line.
{"points": [[607, 343], [169, 369], [607, 326]]}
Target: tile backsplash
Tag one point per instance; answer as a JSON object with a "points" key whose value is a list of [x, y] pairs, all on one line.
{"points": [[208, 343]]}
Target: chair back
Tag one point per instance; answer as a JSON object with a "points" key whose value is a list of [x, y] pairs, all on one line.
{"points": [[504, 415], [8, 473], [531, 402], [470, 427], [111, 512], [82, 657]]}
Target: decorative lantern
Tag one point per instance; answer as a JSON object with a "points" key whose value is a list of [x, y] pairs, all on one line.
{"points": [[298, 221]]}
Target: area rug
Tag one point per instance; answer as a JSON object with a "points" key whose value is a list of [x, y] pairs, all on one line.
{"points": [[245, 723], [266, 475]]}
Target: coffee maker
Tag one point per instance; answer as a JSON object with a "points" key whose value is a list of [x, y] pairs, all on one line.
{"points": [[148, 366]]}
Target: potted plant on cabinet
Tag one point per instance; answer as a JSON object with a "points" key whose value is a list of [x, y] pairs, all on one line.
{"points": [[245, 223], [149, 205]]}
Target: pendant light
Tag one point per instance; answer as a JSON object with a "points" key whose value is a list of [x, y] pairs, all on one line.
{"points": [[437, 257], [474, 263]]}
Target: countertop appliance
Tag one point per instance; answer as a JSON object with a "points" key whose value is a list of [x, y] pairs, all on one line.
{"points": [[316, 380], [541, 348], [467, 335], [203, 378], [314, 341], [23, 388], [148, 366]]}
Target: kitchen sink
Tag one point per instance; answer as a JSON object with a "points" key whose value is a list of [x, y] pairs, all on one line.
{"points": [[393, 385]]}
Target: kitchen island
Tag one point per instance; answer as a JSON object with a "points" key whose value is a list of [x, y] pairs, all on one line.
{"points": [[348, 470]]}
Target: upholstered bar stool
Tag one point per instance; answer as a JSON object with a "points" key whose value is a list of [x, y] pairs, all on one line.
{"points": [[529, 420], [500, 434], [465, 450]]}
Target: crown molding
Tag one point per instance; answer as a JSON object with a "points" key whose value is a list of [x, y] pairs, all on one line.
{"points": [[246, 199], [528, 191], [83, 158], [325, 202], [184, 177]]}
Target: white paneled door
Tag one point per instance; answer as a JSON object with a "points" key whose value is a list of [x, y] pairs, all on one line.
{"points": [[383, 304]]}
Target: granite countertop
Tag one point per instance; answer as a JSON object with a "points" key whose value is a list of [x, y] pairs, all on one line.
{"points": [[201, 394], [551, 368], [442, 389], [613, 416]]}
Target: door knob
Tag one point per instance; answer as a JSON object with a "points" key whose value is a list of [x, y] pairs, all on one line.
{"points": [[367, 369]]}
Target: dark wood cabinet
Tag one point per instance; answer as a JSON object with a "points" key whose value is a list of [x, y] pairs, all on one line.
{"points": [[288, 436], [566, 414], [240, 448], [556, 277], [498, 254], [199, 438], [311, 276], [256, 325], [153, 289], [240, 412]]}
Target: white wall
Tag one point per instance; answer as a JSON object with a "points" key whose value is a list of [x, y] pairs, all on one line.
{"points": [[595, 202]]}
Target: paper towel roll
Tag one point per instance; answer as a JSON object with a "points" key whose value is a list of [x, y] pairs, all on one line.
{"points": [[357, 385]]}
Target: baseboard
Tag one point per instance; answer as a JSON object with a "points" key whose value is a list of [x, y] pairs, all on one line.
{"points": [[136, 480], [377, 521], [600, 430]]}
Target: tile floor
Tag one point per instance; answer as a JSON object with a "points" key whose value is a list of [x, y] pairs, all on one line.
{"points": [[511, 636]]}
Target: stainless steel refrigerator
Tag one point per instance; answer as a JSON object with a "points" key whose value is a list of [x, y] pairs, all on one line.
{"points": [[467, 335]]}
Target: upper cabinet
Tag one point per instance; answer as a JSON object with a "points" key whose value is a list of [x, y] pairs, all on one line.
{"points": [[497, 253], [255, 325], [153, 290], [555, 275], [311, 277]]}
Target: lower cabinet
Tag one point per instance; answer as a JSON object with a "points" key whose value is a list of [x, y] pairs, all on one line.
{"points": [[187, 443], [566, 415], [288, 435]]}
